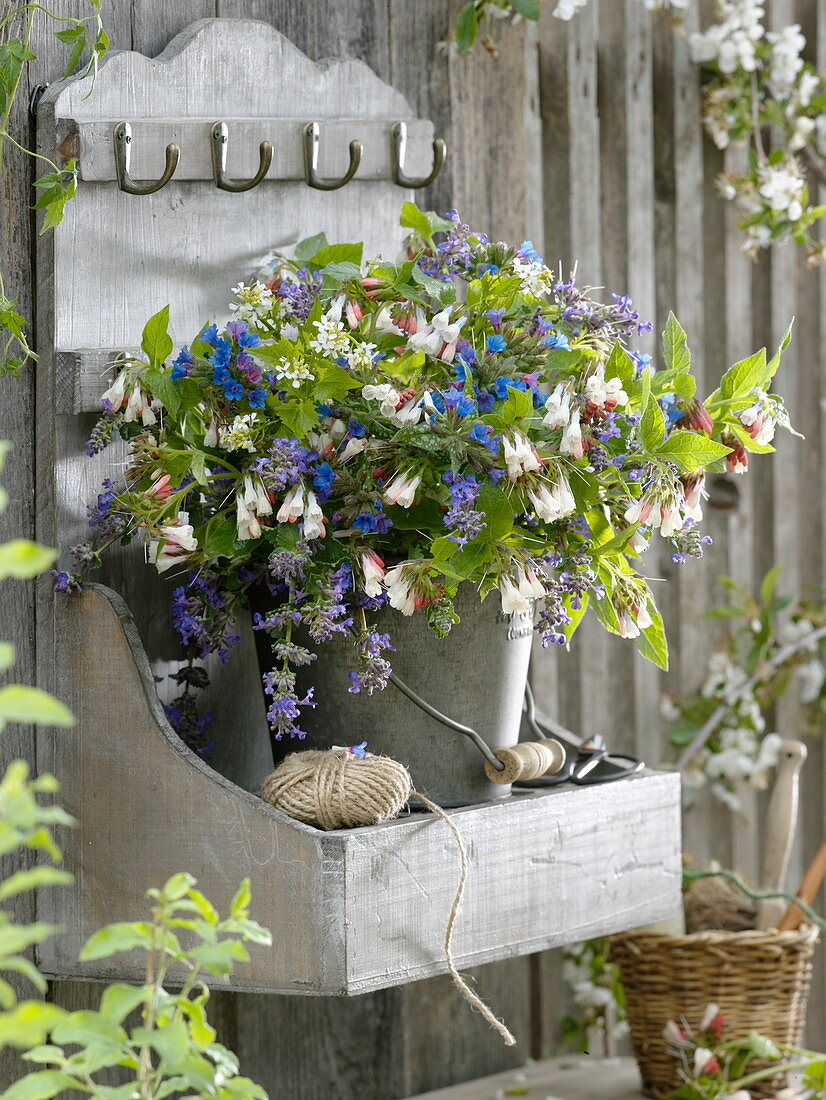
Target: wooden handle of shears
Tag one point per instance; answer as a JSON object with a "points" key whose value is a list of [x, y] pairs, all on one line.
{"points": [[809, 886]]}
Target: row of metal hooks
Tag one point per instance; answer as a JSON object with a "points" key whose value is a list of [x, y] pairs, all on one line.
{"points": [[219, 140]]}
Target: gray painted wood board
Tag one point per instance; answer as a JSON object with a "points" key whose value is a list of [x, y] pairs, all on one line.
{"points": [[356, 909]]}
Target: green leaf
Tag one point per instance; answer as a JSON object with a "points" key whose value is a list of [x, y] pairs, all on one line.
{"points": [[119, 1000], [467, 26], [177, 886], [769, 583], [156, 341], [334, 382], [6, 655], [576, 616], [22, 559], [691, 451], [32, 879], [425, 223], [114, 938], [300, 416], [652, 643], [763, 1047], [337, 273], [620, 365], [519, 403], [498, 512], [171, 1041], [442, 292], [219, 958], [28, 1023], [740, 380], [239, 906], [309, 247], [30, 704], [774, 362], [42, 1085], [528, 9], [339, 254], [651, 428], [676, 355]]}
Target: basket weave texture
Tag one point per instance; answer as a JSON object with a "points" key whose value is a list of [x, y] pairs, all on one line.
{"points": [[760, 980]]}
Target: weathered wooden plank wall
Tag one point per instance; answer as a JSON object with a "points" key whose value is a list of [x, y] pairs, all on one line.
{"points": [[592, 130]]}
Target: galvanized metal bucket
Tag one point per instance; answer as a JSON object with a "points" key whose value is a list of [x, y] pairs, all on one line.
{"points": [[476, 676]]}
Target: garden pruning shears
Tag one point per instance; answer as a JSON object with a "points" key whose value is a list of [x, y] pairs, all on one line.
{"points": [[588, 762]]}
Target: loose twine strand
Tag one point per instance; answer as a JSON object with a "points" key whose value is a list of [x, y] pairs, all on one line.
{"points": [[473, 999]]}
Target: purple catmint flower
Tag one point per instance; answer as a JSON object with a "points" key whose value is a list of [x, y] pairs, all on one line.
{"points": [[286, 465], [464, 521], [102, 517], [65, 582], [374, 670]]}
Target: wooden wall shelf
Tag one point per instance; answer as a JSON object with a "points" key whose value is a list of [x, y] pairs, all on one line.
{"points": [[353, 910]]}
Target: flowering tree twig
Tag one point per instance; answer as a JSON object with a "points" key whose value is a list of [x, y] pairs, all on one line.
{"points": [[707, 729]]}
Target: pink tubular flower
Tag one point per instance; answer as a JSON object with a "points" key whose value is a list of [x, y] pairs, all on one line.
{"points": [[160, 487], [737, 462], [695, 494], [177, 540], [640, 511], [402, 489], [353, 312], [698, 417], [373, 569]]}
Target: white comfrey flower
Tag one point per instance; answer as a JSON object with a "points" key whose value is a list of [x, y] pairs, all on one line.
{"points": [[295, 371], [400, 593], [520, 457], [782, 186], [557, 409], [253, 302], [177, 540], [292, 506], [402, 489], [360, 357], [237, 435], [385, 394], [251, 503], [536, 278], [332, 338], [438, 339], [313, 518], [512, 599]]}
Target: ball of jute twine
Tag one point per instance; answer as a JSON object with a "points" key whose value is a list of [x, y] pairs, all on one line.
{"points": [[340, 790]]}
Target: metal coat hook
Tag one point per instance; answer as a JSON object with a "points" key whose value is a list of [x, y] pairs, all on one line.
{"points": [[311, 142], [398, 144], [123, 151], [220, 136]]}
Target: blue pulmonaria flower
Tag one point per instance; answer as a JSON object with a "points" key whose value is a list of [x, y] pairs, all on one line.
{"points": [[324, 410], [359, 750], [438, 401], [495, 343], [210, 335], [249, 340], [324, 478], [495, 475], [365, 522], [484, 400], [505, 382], [495, 316], [641, 361], [383, 523], [455, 399], [527, 250], [356, 428], [484, 269], [184, 357], [221, 375], [466, 353], [179, 371], [222, 354], [237, 328], [483, 434], [556, 340], [257, 398], [244, 360], [233, 390]]}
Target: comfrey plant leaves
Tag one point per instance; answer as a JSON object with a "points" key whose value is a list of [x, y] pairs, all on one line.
{"points": [[363, 433]]}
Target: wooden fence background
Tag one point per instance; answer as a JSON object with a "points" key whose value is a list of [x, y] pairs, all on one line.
{"points": [[585, 137]]}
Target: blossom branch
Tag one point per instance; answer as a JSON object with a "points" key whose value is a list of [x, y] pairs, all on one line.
{"points": [[708, 728]]}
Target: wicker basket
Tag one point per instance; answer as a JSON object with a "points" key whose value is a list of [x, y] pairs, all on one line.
{"points": [[760, 980]]}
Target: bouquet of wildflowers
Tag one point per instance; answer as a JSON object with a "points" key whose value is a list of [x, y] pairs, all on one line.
{"points": [[714, 1064], [364, 433]]}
